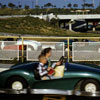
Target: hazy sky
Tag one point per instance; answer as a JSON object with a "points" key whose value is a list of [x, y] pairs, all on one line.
{"points": [[58, 3]]}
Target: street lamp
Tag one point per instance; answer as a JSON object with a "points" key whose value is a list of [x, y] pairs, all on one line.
{"points": [[93, 5], [84, 1], [32, 4], [37, 2]]}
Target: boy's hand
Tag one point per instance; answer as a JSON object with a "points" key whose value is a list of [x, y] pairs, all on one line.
{"points": [[49, 68], [58, 63]]}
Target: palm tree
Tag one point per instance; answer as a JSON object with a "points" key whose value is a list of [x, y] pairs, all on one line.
{"points": [[83, 5], [11, 5], [75, 5], [4, 6], [19, 6], [48, 5], [37, 6], [64, 6], [69, 5], [0, 5], [54, 6], [26, 7]]}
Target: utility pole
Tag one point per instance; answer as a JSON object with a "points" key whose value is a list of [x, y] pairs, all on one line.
{"points": [[84, 1], [93, 5], [18, 4], [37, 2], [32, 4]]}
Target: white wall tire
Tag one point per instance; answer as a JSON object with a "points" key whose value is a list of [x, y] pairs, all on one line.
{"points": [[17, 85], [90, 85]]}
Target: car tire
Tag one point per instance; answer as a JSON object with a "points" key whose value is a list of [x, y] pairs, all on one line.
{"points": [[16, 83], [90, 85]]}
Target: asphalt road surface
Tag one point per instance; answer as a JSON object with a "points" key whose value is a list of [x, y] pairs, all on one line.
{"points": [[41, 97], [4, 67]]}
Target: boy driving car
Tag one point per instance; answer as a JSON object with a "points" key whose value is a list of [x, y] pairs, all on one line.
{"points": [[44, 72]]}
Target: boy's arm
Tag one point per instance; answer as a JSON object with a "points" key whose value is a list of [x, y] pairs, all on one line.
{"points": [[53, 65], [42, 73]]}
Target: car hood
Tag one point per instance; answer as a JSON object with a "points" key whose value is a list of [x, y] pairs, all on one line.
{"points": [[80, 67], [30, 65]]}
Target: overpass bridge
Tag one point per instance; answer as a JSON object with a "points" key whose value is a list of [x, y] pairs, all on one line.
{"points": [[69, 19], [76, 17], [94, 18]]}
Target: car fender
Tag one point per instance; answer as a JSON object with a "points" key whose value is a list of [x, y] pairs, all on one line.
{"points": [[4, 76]]}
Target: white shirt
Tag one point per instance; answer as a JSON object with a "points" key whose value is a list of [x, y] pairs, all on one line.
{"points": [[42, 69]]}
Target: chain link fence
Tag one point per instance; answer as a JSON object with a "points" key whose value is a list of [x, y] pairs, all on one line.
{"points": [[9, 50], [25, 49], [86, 51], [57, 50]]}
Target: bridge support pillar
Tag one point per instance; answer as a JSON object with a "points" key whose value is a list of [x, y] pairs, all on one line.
{"points": [[94, 26], [87, 25], [70, 26], [94, 29], [64, 24], [59, 24]]}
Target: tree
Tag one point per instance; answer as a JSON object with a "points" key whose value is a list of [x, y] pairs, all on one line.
{"points": [[54, 6], [11, 5], [75, 5], [64, 6], [87, 5], [83, 5], [90, 5], [97, 10], [19, 6], [37, 6], [42, 7], [26, 7], [0, 5], [69, 5], [48, 5], [3, 6]]}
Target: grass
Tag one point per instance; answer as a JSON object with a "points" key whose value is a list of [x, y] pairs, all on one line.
{"points": [[35, 26], [29, 25]]}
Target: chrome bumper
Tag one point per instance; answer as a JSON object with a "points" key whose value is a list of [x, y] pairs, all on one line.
{"points": [[50, 92]]}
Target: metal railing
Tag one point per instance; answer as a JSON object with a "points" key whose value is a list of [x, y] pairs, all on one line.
{"points": [[51, 92]]}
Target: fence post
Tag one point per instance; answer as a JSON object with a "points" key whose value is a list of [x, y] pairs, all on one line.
{"points": [[22, 50], [68, 48]]}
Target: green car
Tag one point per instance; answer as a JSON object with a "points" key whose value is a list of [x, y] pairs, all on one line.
{"points": [[76, 77]]}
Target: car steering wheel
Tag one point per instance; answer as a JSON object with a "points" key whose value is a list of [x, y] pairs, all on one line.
{"points": [[61, 60]]}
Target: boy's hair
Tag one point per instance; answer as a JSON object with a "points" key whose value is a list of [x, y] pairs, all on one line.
{"points": [[40, 56]]}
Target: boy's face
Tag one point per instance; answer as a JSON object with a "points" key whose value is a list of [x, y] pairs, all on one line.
{"points": [[44, 60]]}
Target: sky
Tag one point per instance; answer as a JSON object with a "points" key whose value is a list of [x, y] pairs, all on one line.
{"points": [[58, 3]]}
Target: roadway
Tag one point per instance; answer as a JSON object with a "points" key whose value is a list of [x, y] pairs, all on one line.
{"points": [[4, 67], [61, 17], [45, 97]]}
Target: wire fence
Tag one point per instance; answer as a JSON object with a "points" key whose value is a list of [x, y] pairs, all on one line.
{"points": [[14, 49]]}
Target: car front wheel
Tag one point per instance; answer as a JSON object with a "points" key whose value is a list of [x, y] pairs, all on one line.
{"points": [[16, 83], [90, 86]]}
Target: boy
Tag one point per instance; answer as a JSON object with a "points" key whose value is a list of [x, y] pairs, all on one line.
{"points": [[42, 70]]}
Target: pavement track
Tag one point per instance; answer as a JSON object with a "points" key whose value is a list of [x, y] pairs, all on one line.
{"points": [[4, 67], [55, 97]]}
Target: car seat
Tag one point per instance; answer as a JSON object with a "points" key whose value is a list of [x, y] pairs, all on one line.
{"points": [[36, 73]]}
